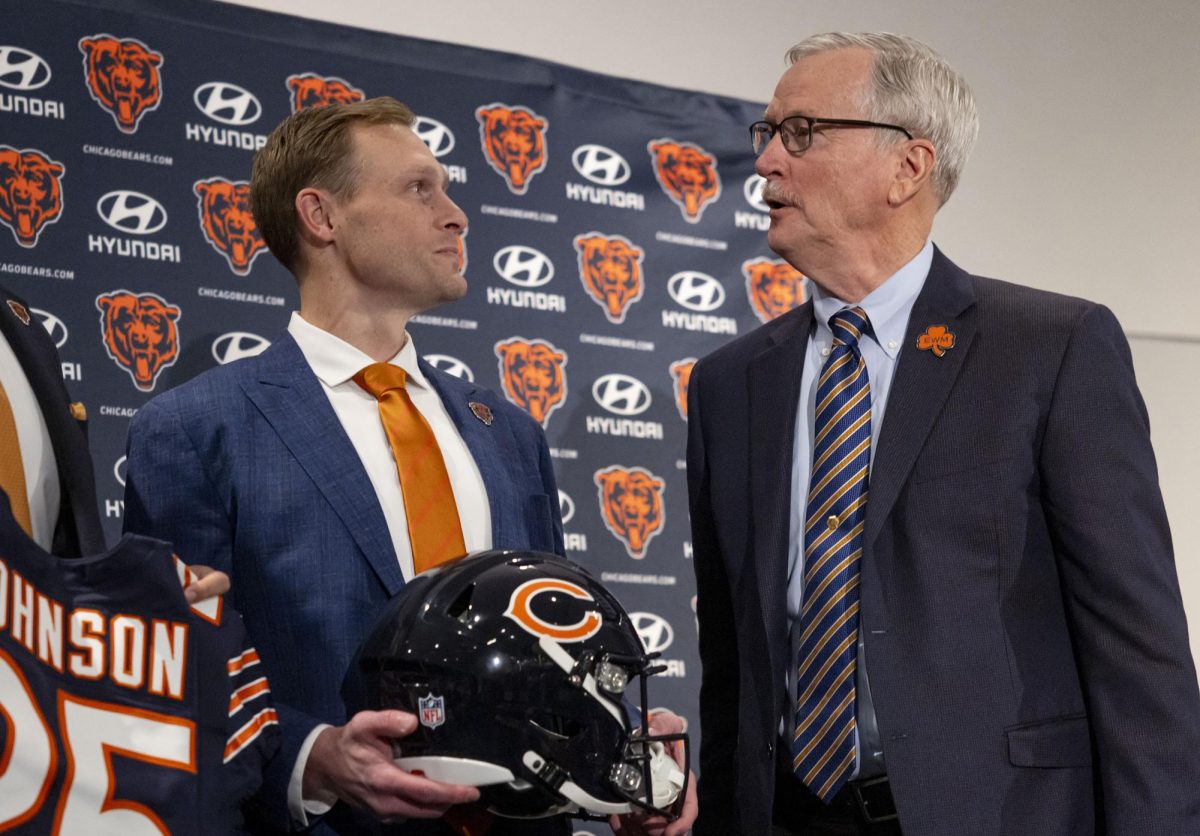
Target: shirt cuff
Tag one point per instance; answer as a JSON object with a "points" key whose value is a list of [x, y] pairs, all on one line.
{"points": [[300, 807]]}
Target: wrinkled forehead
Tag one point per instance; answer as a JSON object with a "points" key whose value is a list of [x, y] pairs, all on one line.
{"points": [[828, 84]]}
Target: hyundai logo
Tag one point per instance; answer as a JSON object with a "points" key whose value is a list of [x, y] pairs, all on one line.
{"points": [[621, 394], [227, 103], [132, 212], [236, 345], [696, 291], [523, 266], [566, 507], [54, 326], [450, 365], [654, 631], [437, 137], [21, 69], [600, 165], [119, 470], [752, 190]]}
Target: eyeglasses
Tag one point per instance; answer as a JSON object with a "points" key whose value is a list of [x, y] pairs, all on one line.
{"points": [[796, 131]]}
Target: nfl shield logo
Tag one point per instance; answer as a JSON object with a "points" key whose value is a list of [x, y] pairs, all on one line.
{"points": [[432, 710]]}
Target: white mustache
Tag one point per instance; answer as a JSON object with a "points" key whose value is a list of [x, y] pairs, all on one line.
{"points": [[775, 193]]}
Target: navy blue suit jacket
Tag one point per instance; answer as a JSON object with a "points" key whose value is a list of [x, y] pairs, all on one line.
{"points": [[1025, 637], [247, 469], [78, 530]]}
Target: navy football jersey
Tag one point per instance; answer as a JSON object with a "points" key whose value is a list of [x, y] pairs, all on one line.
{"points": [[123, 709]]}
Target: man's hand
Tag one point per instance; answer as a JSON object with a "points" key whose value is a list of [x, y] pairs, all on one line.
{"points": [[209, 583], [641, 824], [354, 762]]}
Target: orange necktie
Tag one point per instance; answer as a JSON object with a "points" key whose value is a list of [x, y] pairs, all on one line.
{"points": [[434, 529], [12, 468]]}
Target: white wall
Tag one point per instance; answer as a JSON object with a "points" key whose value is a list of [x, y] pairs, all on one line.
{"points": [[1086, 179]]}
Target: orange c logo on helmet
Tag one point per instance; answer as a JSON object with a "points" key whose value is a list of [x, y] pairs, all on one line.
{"points": [[688, 175], [520, 610], [773, 286], [30, 192], [681, 373], [631, 503], [610, 267], [514, 142], [227, 223], [312, 90], [122, 76], [531, 372], [140, 334]]}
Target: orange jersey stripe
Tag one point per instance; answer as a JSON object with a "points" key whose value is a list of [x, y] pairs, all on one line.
{"points": [[246, 693], [246, 735]]}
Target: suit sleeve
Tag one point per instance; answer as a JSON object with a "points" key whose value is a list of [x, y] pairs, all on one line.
{"points": [[1121, 593], [172, 494], [719, 708]]}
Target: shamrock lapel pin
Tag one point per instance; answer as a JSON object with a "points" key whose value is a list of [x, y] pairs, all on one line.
{"points": [[936, 339]]}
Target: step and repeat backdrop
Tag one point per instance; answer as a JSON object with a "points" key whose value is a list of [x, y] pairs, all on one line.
{"points": [[617, 234]]}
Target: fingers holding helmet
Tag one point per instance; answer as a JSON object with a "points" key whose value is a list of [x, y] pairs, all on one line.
{"points": [[354, 763]]}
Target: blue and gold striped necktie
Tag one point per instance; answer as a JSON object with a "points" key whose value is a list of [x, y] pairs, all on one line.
{"points": [[823, 745]]}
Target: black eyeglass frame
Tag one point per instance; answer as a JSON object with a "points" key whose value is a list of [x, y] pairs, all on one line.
{"points": [[811, 122]]}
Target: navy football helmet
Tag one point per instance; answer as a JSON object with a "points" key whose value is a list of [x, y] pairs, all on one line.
{"points": [[516, 665]]}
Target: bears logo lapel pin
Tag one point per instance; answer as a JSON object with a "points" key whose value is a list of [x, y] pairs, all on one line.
{"points": [[19, 311], [482, 411]]}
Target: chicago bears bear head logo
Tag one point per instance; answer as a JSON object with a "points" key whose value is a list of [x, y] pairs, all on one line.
{"points": [[123, 77], [681, 374], [631, 504], [610, 267], [140, 334], [531, 372], [514, 143], [773, 286], [227, 222], [312, 90], [30, 192], [688, 175]]}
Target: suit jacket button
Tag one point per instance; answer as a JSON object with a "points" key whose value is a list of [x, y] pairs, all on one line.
{"points": [[770, 751]]}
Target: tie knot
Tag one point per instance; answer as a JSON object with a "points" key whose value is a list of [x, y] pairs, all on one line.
{"points": [[848, 325], [379, 378]]}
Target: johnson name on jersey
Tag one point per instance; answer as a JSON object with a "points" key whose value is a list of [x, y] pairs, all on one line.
{"points": [[123, 709]]}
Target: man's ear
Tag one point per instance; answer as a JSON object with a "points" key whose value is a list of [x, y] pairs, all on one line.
{"points": [[313, 216], [914, 170]]}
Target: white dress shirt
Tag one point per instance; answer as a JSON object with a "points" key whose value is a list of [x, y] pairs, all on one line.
{"points": [[37, 451], [335, 362], [888, 308]]}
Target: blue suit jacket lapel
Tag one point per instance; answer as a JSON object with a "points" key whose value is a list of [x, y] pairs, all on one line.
{"points": [[492, 448], [921, 385], [291, 399], [774, 391]]}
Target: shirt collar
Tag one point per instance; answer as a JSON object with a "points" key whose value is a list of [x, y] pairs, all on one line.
{"points": [[334, 361], [887, 306]]}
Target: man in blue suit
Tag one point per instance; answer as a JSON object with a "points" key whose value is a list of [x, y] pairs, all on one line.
{"points": [[277, 469], [990, 639]]}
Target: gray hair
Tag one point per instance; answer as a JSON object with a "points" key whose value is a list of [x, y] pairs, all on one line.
{"points": [[912, 86]]}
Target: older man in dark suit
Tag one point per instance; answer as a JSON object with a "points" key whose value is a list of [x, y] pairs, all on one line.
{"points": [[964, 618]]}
